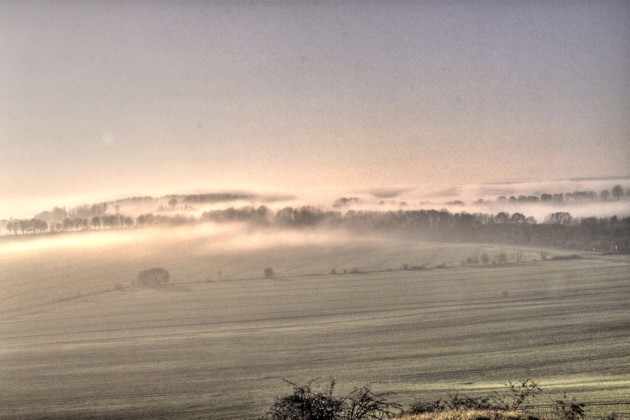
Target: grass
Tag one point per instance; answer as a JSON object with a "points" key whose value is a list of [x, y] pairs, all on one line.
{"points": [[470, 415], [73, 343]]}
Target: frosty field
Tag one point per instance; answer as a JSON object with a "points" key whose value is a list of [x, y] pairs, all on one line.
{"points": [[78, 339]]}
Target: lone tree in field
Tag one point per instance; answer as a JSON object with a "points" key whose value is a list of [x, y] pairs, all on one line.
{"points": [[617, 192], [153, 276], [268, 273]]}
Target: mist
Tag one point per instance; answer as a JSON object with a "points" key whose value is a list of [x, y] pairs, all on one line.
{"points": [[200, 198], [200, 239], [470, 198], [464, 198]]}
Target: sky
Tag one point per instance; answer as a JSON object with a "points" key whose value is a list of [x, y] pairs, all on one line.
{"points": [[117, 98]]}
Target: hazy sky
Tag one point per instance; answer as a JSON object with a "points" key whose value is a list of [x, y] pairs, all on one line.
{"points": [[118, 97]]}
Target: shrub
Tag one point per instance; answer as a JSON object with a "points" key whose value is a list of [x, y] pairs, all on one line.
{"points": [[569, 410], [421, 407], [464, 402], [153, 276], [520, 392], [309, 403], [306, 403], [362, 403], [566, 257], [268, 273]]}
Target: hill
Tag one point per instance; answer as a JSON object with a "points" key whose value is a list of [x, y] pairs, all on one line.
{"points": [[219, 337]]}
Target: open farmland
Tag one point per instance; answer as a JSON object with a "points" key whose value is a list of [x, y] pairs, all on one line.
{"points": [[78, 339]]}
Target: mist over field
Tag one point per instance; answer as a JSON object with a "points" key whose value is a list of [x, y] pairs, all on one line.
{"points": [[81, 337], [206, 206], [471, 198], [208, 238], [446, 197], [182, 305]]}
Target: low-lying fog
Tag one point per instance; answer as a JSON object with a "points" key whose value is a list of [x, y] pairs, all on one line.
{"points": [[202, 239], [471, 198], [467, 198]]}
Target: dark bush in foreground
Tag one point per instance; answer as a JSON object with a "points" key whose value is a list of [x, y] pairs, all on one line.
{"points": [[569, 410], [310, 403], [518, 394], [153, 276]]}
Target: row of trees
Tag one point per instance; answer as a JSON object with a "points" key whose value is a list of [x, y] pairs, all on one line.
{"points": [[617, 192], [27, 226], [57, 218], [35, 225], [60, 215], [89, 211], [311, 216], [558, 229]]}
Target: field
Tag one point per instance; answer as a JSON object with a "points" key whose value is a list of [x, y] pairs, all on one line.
{"points": [[78, 339]]}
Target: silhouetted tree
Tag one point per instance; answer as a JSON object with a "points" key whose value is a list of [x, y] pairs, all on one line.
{"points": [[153, 276], [111, 220], [617, 192], [127, 221], [80, 223], [58, 214], [145, 219], [39, 225], [307, 402], [13, 226], [604, 194], [559, 218], [502, 218]]}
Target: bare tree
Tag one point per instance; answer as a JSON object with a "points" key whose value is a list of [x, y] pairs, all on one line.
{"points": [[153, 276]]}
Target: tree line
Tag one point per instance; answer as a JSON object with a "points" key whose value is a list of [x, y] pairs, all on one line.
{"points": [[559, 229], [34, 225], [616, 193]]}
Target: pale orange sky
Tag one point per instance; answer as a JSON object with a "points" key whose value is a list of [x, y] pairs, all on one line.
{"points": [[130, 97]]}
